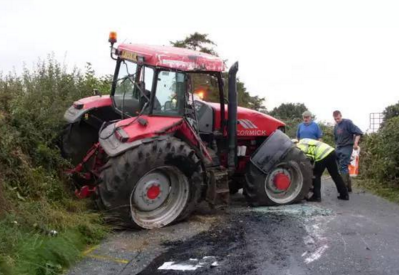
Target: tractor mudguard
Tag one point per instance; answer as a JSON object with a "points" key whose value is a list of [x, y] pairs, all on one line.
{"points": [[117, 138], [85, 105], [73, 115], [112, 145], [272, 150], [121, 136]]}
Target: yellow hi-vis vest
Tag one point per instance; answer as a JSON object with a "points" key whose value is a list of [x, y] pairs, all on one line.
{"points": [[314, 149]]}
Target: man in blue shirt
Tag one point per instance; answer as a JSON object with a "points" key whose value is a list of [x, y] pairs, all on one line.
{"points": [[346, 136], [308, 128]]}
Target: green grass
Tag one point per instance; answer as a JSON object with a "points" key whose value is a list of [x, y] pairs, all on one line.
{"points": [[36, 253], [390, 193], [27, 247]]}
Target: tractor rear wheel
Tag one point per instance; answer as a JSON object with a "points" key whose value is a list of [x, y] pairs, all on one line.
{"points": [[288, 182], [152, 185], [76, 139]]}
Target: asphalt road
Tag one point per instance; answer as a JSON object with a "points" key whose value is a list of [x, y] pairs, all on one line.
{"points": [[360, 236]]}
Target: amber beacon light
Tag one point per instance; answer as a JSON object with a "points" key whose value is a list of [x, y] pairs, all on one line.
{"points": [[112, 37]]}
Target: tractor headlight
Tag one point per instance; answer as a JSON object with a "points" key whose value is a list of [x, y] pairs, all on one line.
{"points": [[121, 135]]}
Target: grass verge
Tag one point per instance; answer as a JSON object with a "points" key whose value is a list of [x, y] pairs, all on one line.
{"points": [[39, 247], [390, 193]]}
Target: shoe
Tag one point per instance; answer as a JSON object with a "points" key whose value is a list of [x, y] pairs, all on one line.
{"points": [[314, 199], [344, 198]]}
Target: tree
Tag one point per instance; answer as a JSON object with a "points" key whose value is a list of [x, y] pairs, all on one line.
{"points": [[291, 114], [328, 132], [391, 111], [289, 111], [208, 85], [197, 42]]}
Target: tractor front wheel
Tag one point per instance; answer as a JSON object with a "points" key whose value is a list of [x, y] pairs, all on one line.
{"points": [[152, 185], [76, 139], [288, 182]]}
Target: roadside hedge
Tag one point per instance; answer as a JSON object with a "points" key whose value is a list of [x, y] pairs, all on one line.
{"points": [[35, 196], [380, 154]]}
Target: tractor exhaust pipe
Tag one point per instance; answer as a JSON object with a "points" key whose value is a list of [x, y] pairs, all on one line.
{"points": [[232, 117]]}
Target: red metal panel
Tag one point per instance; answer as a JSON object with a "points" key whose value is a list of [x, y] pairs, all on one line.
{"points": [[94, 102], [175, 58], [250, 122], [154, 127], [157, 126]]}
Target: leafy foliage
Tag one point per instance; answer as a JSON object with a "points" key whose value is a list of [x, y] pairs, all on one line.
{"points": [[291, 114], [380, 154], [34, 195], [289, 111], [291, 126], [328, 133], [391, 111], [197, 42]]}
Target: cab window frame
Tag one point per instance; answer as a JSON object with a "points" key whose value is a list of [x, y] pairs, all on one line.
{"points": [[180, 112]]}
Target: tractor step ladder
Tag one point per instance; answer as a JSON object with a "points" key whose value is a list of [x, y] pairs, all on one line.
{"points": [[218, 194]]}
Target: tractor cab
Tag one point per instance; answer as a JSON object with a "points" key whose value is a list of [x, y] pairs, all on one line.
{"points": [[160, 80], [135, 84]]}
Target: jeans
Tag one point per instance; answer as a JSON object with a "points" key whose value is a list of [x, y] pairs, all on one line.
{"points": [[330, 163], [344, 158]]}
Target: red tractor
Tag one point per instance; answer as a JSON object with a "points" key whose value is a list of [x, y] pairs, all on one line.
{"points": [[152, 150]]}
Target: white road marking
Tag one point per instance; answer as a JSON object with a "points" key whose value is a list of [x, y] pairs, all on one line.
{"points": [[176, 266], [308, 240], [343, 240], [190, 265], [317, 254], [315, 240], [215, 264]]}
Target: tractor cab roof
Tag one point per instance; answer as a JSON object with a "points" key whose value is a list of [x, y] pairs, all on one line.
{"points": [[171, 57]]}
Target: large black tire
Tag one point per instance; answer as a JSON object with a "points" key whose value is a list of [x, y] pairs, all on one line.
{"points": [[76, 139], [123, 176], [295, 165]]}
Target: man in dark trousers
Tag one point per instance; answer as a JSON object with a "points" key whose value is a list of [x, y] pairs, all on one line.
{"points": [[323, 156], [346, 136]]}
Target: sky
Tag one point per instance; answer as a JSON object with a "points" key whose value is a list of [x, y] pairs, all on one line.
{"points": [[327, 54]]}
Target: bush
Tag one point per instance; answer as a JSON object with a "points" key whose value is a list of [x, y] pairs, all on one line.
{"points": [[328, 133], [380, 154], [34, 195], [291, 126]]}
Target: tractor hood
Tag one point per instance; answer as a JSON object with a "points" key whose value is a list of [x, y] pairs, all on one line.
{"points": [[250, 122]]}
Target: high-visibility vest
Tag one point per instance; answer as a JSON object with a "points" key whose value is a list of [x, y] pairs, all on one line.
{"points": [[314, 149]]}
